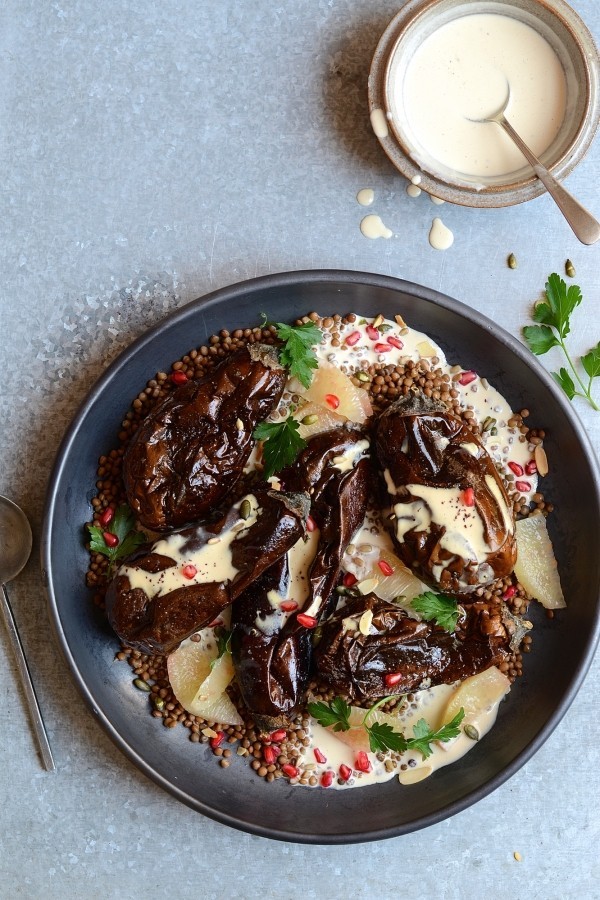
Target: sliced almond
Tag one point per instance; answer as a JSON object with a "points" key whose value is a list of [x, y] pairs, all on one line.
{"points": [[400, 321], [541, 460], [366, 619]]}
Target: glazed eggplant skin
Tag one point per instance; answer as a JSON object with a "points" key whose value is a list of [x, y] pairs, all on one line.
{"points": [[430, 459], [355, 664], [188, 453], [154, 622], [273, 662]]}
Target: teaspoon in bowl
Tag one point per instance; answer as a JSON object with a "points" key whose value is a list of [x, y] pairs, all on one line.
{"points": [[585, 227], [15, 549]]}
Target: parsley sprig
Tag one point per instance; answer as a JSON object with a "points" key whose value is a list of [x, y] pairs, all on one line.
{"points": [[297, 354], [223, 645], [438, 608], [382, 736], [554, 316], [123, 527], [282, 444]]}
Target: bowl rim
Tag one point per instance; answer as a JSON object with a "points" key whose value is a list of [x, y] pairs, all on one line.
{"points": [[462, 193], [230, 292]]}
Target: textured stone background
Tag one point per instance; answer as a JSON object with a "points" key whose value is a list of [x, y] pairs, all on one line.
{"points": [[151, 152]]}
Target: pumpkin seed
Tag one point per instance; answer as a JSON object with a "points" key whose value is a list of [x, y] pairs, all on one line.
{"points": [[512, 261], [157, 702], [570, 269], [141, 685], [471, 732], [362, 376], [245, 509], [310, 420]]}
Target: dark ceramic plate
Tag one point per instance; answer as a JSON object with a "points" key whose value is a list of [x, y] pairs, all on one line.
{"points": [[562, 649]]}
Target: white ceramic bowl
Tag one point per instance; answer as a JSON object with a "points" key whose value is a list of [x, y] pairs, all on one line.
{"points": [[558, 24]]}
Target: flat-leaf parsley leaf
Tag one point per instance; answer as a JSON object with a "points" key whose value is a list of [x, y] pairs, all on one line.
{"points": [[123, 527], [282, 444], [297, 354], [554, 317], [439, 608], [382, 737]]}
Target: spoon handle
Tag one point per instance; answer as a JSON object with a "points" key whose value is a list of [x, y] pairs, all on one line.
{"points": [[585, 227], [34, 707]]}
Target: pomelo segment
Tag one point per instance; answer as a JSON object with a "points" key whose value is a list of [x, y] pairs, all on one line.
{"points": [[476, 695], [401, 583], [200, 689], [536, 567], [334, 391], [326, 420]]}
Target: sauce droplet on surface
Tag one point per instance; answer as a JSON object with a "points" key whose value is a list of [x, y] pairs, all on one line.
{"points": [[372, 227], [379, 123], [440, 237], [365, 196]]}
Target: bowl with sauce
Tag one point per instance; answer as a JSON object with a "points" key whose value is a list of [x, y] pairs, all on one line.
{"points": [[441, 65]]}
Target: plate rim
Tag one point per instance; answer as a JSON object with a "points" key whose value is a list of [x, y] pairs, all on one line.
{"points": [[282, 280]]}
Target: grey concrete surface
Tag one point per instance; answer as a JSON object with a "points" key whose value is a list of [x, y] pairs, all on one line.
{"points": [[151, 152]]}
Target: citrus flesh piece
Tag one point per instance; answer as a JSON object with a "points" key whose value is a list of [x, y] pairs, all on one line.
{"points": [[200, 689], [326, 420], [334, 391], [401, 583], [536, 567], [476, 695]]}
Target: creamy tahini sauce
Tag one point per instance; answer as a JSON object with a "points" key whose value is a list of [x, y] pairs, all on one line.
{"points": [[365, 197], [372, 227], [379, 123], [213, 561], [440, 236], [300, 558], [459, 73], [410, 767]]}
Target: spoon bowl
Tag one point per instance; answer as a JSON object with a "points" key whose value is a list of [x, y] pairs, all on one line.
{"points": [[15, 540]]}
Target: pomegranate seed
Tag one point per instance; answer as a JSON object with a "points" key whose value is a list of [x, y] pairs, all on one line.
{"points": [[345, 772], [320, 757], [217, 740], [110, 539], [393, 678], [395, 342], [216, 623], [310, 524], [269, 755], [516, 468], [468, 497], [531, 467], [362, 762], [189, 571], [467, 377], [279, 735], [306, 621], [523, 486], [350, 579], [107, 516], [290, 770], [353, 338], [288, 606], [385, 567], [332, 400], [178, 377], [509, 592], [382, 348], [372, 333], [327, 779]]}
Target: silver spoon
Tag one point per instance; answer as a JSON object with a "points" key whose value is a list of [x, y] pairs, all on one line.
{"points": [[585, 227], [15, 549]]}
